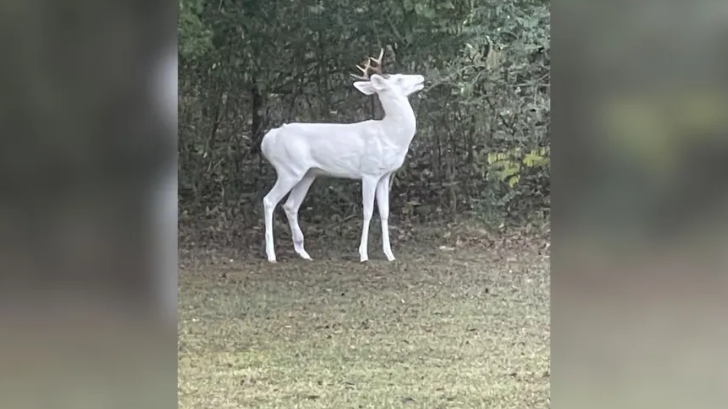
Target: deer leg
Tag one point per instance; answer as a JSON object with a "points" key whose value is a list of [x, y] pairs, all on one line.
{"points": [[368, 189], [283, 185], [295, 198], [383, 207]]}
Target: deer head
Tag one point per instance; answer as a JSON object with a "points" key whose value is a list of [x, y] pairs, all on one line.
{"points": [[374, 81]]}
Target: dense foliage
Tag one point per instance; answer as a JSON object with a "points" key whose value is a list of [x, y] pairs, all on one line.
{"points": [[482, 146]]}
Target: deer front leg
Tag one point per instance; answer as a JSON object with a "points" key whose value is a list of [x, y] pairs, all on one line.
{"points": [[383, 206], [283, 185], [295, 198], [368, 190]]}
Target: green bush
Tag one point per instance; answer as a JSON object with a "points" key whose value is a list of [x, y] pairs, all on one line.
{"points": [[482, 145]]}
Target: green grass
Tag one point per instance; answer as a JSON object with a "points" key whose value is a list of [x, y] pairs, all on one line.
{"points": [[467, 328]]}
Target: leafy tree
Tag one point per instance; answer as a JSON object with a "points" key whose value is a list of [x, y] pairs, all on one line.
{"points": [[482, 146]]}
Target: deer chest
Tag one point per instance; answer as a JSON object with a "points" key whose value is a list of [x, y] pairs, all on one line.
{"points": [[382, 157]]}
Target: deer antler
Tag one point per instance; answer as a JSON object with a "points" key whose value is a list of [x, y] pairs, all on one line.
{"points": [[368, 67], [364, 70], [378, 60]]}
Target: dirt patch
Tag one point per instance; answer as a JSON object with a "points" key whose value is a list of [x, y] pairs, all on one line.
{"points": [[458, 326]]}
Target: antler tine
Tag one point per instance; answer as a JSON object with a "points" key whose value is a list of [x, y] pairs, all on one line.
{"points": [[378, 60], [364, 70], [368, 67]]}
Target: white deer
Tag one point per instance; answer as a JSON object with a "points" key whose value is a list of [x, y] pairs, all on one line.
{"points": [[370, 151]]}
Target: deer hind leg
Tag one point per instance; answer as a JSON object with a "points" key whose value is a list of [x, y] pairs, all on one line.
{"points": [[383, 206], [283, 185], [368, 189], [295, 198]]}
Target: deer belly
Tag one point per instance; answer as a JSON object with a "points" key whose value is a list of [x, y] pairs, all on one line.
{"points": [[336, 165]]}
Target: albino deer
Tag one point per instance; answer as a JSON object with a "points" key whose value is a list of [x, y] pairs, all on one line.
{"points": [[369, 150]]}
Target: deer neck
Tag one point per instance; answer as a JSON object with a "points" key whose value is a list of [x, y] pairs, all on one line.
{"points": [[399, 119]]}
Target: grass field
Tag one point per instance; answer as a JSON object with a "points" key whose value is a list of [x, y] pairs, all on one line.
{"points": [[465, 326]]}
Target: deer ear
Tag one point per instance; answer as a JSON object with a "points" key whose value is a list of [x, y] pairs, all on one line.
{"points": [[377, 81], [365, 87]]}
